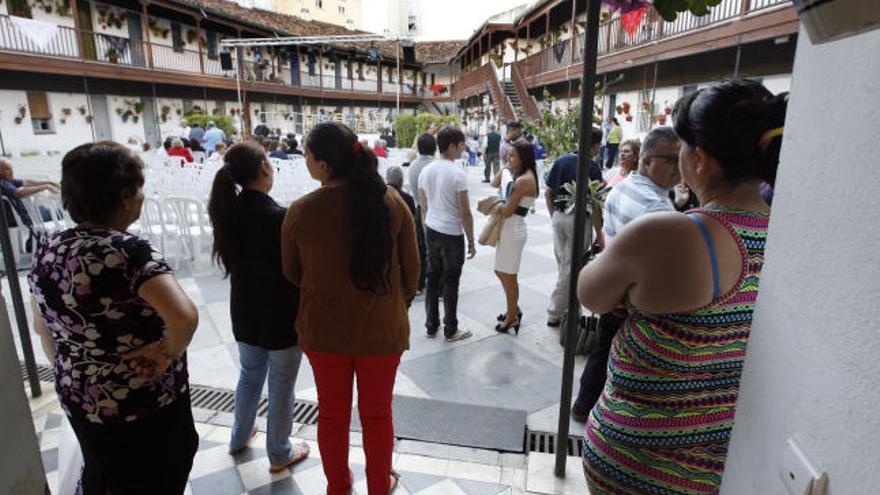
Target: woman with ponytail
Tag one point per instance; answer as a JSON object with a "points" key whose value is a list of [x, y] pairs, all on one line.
{"points": [[689, 282], [350, 246], [263, 304]]}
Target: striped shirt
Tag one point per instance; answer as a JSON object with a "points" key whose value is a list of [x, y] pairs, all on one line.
{"points": [[631, 198]]}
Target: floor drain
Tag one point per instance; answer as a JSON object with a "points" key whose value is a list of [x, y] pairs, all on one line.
{"points": [[213, 399], [545, 443]]}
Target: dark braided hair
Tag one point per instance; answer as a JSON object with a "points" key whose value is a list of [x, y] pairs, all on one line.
{"points": [[370, 220]]}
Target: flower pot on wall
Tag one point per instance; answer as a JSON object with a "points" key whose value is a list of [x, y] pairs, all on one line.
{"points": [[826, 20]]}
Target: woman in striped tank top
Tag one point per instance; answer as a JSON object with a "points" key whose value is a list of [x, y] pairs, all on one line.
{"points": [[689, 282]]}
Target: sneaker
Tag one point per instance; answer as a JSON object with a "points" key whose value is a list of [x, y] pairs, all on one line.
{"points": [[554, 323], [431, 334], [459, 335]]}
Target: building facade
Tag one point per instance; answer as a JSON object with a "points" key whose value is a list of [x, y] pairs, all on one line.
{"points": [[347, 13], [513, 68], [132, 72]]}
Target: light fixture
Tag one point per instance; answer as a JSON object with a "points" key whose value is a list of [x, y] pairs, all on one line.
{"points": [[781, 40]]}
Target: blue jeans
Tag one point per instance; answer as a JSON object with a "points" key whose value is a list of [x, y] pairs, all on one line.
{"points": [[282, 367]]}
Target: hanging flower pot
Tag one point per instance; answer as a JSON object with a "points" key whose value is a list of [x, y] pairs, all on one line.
{"points": [[629, 118], [661, 119], [82, 110], [618, 109], [668, 110], [626, 107]]}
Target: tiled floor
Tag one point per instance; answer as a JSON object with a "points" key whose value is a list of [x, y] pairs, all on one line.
{"points": [[520, 371], [426, 469], [517, 371]]}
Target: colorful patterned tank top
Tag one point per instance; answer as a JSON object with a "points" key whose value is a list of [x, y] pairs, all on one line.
{"points": [[663, 423]]}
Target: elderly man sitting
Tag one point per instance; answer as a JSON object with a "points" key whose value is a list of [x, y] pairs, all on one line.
{"points": [[17, 189]]}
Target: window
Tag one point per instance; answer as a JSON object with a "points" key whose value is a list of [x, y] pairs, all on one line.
{"points": [[176, 36], [341, 9], [412, 24], [211, 38], [319, 4], [41, 118]]}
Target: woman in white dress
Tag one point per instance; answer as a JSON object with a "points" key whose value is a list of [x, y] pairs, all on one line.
{"points": [[519, 197]]}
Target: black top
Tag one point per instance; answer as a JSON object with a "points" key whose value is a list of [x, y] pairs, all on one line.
{"points": [[564, 170], [263, 303]]}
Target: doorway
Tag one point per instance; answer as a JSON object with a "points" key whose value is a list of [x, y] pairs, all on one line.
{"points": [[87, 34], [101, 118], [136, 37]]}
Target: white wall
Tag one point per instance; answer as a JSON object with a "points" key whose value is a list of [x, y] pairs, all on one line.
{"points": [[812, 367], [125, 132], [22, 469], [20, 138]]}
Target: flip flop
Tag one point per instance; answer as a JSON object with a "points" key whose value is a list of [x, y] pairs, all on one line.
{"points": [[300, 452], [247, 444]]}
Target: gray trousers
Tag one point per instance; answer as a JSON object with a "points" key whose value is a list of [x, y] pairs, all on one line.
{"points": [[563, 234]]}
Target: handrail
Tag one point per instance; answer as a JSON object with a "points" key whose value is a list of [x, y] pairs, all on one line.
{"points": [[530, 106], [653, 28], [90, 46]]}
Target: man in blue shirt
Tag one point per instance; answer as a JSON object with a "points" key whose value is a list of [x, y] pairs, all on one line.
{"points": [[564, 171], [17, 189], [213, 136]]}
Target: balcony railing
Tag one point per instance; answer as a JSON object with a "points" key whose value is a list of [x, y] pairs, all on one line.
{"points": [[70, 43], [612, 37]]}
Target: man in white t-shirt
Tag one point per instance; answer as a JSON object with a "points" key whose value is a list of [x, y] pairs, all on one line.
{"points": [[446, 212]]}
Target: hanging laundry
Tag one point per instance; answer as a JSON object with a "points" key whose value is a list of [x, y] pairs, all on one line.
{"points": [[559, 50], [117, 43], [38, 32], [632, 20]]}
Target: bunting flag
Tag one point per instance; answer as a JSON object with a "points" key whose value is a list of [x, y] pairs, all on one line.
{"points": [[632, 20]]}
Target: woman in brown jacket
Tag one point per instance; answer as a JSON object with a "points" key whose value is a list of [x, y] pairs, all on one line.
{"points": [[351, 248]]}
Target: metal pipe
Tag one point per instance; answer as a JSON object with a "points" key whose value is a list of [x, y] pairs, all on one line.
{"points": [[588, 90], [27, 348], [238, 90]]}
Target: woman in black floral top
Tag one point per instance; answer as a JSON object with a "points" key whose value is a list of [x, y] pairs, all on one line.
{"points": [[120, 323]]}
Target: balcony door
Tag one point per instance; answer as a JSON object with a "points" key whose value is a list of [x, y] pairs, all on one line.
{"points": [[136, 37], [101, 118], [87, 34]]}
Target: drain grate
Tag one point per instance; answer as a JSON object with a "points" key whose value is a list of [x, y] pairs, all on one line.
{"points": [[545, 443], [213, 399], [45, 373]]}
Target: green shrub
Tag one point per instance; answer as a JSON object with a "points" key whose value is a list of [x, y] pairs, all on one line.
{"points": [[409, 127], [225, 123]]}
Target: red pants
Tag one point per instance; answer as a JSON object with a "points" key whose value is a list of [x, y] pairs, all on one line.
{"points": [[334, 374]]}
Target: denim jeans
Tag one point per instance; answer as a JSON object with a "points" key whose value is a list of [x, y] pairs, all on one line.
{"points": [[282, 367], [445, 259]]}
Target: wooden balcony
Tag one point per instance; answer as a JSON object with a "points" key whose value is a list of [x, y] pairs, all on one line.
{"points": [[729, 23], [76, 52]]}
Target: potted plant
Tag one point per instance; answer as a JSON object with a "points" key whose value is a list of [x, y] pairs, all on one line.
{"points": [[112, 55], [82, 109]]}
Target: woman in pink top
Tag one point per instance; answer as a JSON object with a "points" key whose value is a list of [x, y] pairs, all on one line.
{"points": [[629, 161]]}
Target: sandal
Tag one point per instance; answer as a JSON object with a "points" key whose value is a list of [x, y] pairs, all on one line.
{"points": [[395, 478], [300, 452], [246, 445]]}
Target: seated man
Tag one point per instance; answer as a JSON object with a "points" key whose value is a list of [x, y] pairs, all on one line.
{"points": [[17, 189]]}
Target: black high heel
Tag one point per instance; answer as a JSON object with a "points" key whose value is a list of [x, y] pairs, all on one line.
{"points": [[502, 328], [503, 317]]}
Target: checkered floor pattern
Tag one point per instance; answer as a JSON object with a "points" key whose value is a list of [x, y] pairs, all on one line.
{"points": [[215, 472]]}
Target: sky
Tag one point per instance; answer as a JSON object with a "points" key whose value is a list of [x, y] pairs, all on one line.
{"points": [[440, 19]]}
